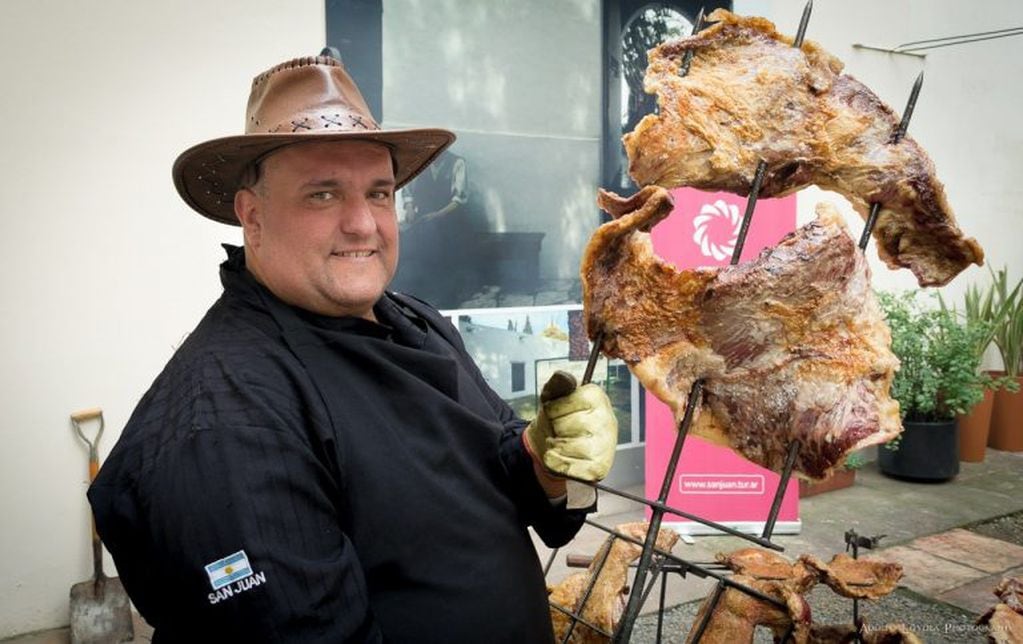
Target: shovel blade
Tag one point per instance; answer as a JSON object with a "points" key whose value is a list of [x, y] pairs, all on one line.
{"points": [[100, 612]]}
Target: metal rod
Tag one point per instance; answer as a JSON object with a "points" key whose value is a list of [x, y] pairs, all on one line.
{"points": [[887, 50], [962, 41], [635, 597], [686, 515], [779, 493], [856, 602], [803, 22], [788, 633], [907, 114], [705, 620], [578, 608], [629, 538], [687, 567], [868, 227], [550, 562], [897, 135], [580, 619], [660, 610], [591, 362], [751, 204], [683, 68], [1009, 31]]}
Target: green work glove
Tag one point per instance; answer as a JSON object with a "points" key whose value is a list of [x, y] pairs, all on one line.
{"points": [[575, 431]]}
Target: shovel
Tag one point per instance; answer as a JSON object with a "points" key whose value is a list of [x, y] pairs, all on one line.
{"points": [[100, 612]]}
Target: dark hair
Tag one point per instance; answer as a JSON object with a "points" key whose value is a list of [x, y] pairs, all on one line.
{"points": [[250, 175]]}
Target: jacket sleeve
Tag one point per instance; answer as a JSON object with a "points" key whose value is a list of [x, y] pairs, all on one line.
{"points": [[231, 533], [554, 523]]}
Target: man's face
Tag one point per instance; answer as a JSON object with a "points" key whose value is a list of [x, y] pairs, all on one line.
{"points": [[320, 226]]}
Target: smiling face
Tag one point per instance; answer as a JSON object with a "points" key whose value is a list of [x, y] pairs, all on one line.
{"points": [[320, 226]]}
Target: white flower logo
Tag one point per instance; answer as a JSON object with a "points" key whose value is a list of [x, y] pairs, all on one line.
{"points": [[717, 229]]}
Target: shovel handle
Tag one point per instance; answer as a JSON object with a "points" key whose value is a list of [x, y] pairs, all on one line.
{"points": [[85, 415], [77, 418]]}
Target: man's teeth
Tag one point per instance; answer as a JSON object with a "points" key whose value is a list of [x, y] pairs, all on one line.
{"points": [[355, 253]]}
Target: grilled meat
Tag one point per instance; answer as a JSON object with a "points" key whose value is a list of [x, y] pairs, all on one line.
{"points": [[765, 565], [791, 347], [749, 95], [856, 578], [737, 613], [1005, 619], [606, 602]]}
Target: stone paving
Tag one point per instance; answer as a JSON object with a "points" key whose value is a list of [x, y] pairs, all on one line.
{"points": [[942, 561]]}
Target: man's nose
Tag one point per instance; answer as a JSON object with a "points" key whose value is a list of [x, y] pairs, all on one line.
{"points": [[357, 218]]}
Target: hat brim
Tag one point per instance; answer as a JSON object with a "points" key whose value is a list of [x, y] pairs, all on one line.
{"points": [[207, 175]]}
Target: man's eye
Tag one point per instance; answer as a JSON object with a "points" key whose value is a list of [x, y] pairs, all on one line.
{"points": [[381, 195], [321, 196]]}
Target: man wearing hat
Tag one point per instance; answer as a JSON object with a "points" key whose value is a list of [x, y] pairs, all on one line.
{"points": [[321, 460]]}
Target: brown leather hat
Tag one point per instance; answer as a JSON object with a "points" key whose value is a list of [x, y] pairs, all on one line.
{"points": [[304, 99]]}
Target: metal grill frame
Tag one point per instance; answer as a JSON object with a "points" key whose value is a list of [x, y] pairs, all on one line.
{"points": [[654, 562]]}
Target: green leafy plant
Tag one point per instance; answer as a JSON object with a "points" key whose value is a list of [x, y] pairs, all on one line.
{"points": [[991, 308], [939, 377], [854, 461], [1008, 333]]}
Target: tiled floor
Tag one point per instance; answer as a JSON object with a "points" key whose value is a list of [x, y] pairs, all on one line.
{"points": [[957, 567]]}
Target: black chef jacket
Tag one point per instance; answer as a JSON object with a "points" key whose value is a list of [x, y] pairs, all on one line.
{"points": [[294, 477]]}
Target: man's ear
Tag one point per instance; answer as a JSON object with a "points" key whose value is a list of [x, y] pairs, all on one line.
{"points": [[247, 208]]}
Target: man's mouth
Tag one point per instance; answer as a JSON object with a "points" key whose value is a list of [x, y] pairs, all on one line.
{"points": [[354, 253]]}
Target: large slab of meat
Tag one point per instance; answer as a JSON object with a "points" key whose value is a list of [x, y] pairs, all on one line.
{"points": [[738, 613], [749, 95], [606, 602], [792, 347]]}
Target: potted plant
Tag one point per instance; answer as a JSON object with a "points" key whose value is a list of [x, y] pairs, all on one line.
{"points": [[989, 309], [939, 378], [842, 477], [1007, 415]]}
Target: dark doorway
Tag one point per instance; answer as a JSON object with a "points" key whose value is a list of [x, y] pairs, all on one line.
{"points": [[631, 27], [354, 27]]}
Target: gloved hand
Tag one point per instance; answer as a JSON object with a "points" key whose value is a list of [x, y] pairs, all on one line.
{"points": [[575, 431]]}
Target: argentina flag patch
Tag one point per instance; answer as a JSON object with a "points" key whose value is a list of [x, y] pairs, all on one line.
{"points": [[231, 568]]}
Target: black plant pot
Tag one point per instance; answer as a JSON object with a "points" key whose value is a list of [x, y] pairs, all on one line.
{"points": [[926, 452]]}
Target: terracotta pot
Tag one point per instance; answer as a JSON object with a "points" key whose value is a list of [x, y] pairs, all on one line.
{"points": [[974, 429], [840, 479], [1007, 420]]}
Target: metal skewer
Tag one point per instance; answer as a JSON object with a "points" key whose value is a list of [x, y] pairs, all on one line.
{"points": [[803, 22], [897, 135], [751, 204], [683, 69], [591, 363], [657, 514]]}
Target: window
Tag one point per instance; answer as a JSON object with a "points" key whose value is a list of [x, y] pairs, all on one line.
{"points": [[518, 376]]}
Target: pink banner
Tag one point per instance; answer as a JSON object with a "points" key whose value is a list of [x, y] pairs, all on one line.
{"points": [[711, 481]]}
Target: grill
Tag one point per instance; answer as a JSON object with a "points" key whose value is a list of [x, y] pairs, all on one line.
{"points": [[654, 563]]}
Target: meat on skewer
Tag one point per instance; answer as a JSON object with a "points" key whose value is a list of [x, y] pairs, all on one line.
{"points": [[792, 347], [606, 602], [749, 95]]}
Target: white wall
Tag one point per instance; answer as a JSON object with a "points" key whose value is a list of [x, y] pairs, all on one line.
{"points": [[103, 268], [967, 116]]}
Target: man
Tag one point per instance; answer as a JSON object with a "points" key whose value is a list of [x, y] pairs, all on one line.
{"points": [[321, 461], [437, 221]]}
